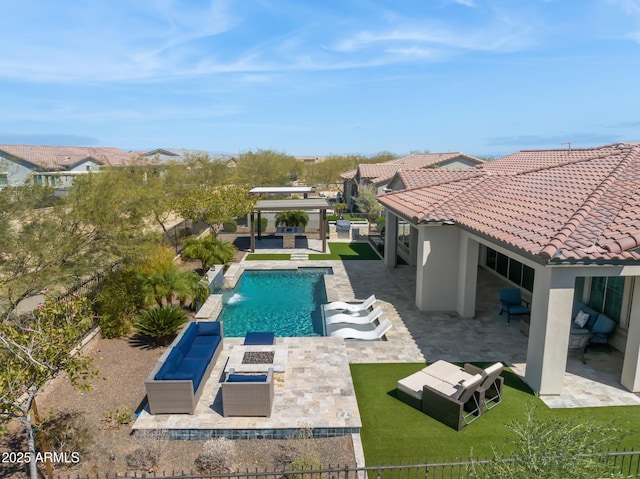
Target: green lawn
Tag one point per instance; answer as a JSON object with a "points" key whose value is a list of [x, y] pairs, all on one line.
{"points": [[268, 257], [394, 433], [347, 251]]}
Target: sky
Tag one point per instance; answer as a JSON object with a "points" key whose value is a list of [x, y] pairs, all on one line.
{"points": [[320, 77]]}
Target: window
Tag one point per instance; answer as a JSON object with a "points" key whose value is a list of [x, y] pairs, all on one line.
{"points": [[404, 233], [606, 295], [513, 270], [4, 179]]}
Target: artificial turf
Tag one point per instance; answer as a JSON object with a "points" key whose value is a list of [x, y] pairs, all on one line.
{"points": [[395, 433], [347, 251], [268, 257]]}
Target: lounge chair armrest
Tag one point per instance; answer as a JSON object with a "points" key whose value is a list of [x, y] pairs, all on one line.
{"points": [[471, 369]]}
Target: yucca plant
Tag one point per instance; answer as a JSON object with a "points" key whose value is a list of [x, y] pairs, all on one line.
{"points": [[160, 322]]}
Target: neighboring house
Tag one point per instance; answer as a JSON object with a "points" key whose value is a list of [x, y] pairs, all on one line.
{"points": [[380, 174], [55, 165], [178, 155], [559, 224]]}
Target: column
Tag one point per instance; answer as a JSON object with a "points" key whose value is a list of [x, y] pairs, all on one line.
{"points": [[252, 231], [549, 329], [390, 239], [631, 363], [467, 277]]}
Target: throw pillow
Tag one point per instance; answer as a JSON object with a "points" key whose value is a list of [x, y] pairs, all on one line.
{"points": [[581, 319]]}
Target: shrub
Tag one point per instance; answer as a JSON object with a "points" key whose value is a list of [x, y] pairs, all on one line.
{"points": [[118, 417], [160, 322], [230, 226], [147, 456], [67, 431], [216, 456], [264, 222], [121, 296], [380, 224], [305, 464], [209, 250]]}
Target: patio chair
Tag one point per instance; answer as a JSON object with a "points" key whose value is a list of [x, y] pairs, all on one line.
{"points": [[353, 318], [511, 301], [350, 307], [362, 334], [578, 341], [490, 389], [247, 394]]}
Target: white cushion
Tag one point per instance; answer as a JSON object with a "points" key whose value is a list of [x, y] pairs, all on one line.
{"points": [[581, 319]]}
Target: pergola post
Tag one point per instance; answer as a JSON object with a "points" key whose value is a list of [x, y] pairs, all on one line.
{"points": [[252, 231], [259, 225], [323, 229]]}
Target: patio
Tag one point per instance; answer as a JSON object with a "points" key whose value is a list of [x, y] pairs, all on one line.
{"points": [[418, 336]]}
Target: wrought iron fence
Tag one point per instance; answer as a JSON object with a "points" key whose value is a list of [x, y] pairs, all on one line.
{"points": [[623, 464]]}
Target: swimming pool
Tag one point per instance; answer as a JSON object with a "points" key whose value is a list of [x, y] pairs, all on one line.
{"points": [[286, 302]]}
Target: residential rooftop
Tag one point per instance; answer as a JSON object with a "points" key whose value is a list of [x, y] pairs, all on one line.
{"points": [[66, 157], [579, 205]]}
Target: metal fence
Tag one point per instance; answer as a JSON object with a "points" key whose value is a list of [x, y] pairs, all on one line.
{"points": [[623, 464]]}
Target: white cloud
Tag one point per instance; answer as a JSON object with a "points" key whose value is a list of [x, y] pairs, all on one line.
{"points": [[466, 3]]}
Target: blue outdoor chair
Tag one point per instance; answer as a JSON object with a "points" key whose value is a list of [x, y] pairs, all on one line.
{"points": [[511, 301]]}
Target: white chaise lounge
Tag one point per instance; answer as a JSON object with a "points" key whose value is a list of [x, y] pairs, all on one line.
{"points": [[343, 318], [350, 307], [356, 331]]}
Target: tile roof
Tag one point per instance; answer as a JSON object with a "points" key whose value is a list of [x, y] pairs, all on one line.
{"points": [[582, 205], [64, 157], [381, 172]]}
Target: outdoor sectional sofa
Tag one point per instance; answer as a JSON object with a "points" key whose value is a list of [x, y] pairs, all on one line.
{"points": [[598, 324], [177, 380]]}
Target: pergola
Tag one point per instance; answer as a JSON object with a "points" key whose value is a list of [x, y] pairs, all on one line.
{"points": [[320, 204]]}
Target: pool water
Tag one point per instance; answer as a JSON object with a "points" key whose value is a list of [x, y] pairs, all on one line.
{"points": [[286, 302]]}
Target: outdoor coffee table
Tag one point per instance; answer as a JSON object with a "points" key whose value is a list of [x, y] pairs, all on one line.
{"points": [[257, 358]]}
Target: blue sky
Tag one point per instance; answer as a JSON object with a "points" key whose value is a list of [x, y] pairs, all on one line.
{"points": [[485, 77]]}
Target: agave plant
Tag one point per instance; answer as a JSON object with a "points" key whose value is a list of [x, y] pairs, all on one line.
{"points": [[160, 322]]}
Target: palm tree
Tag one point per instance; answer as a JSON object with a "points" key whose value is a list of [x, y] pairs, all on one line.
{"points": [[292, 218], [209, 250], [163, 279]]}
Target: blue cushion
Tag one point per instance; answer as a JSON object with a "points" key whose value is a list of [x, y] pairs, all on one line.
{"points": [[202, 352], [580, 306], [179, 375], [603, 324], [253, 338], [170, 364], [247, 378], [209, 328], [208, 341], [187, 338]]}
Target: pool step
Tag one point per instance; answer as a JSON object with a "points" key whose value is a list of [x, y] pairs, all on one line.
{"points": [[299, 256]]}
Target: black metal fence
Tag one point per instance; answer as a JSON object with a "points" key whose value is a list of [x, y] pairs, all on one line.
{"points": [[624, 464]]}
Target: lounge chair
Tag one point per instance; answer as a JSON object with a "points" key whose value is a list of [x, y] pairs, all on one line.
{"points": [[339, 318], [247, 394], [452, 401], [512, 303], [350, 307], [490, 389], [358, 332]]}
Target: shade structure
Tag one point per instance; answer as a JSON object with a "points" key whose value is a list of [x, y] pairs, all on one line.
{"points": [[306, 204]]}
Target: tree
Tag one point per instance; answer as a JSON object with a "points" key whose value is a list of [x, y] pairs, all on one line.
{"points": [[266, 168], [292, 218], [209, 250], [214, 204], [36, 349], [368, 204]]}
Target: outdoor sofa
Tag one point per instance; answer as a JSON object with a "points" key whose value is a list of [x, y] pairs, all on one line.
{"points": [[176, 382], [247, 394], [599, 325]]}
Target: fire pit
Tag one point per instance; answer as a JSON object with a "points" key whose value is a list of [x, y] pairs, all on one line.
{"points": [[258, 357]]}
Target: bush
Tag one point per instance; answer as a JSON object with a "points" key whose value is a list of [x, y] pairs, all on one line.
{"points": [[264, 222], [380, 224], [305, 464], [216, 456], [67, 431], [118, 417], [147, 456], [230, 226], [121, 296], [160, 322]]}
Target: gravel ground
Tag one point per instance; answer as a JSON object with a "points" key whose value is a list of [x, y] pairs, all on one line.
{"points": [[122, 366]]}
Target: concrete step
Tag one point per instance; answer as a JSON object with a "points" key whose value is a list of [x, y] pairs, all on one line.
{"points": [[299, 256]]}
